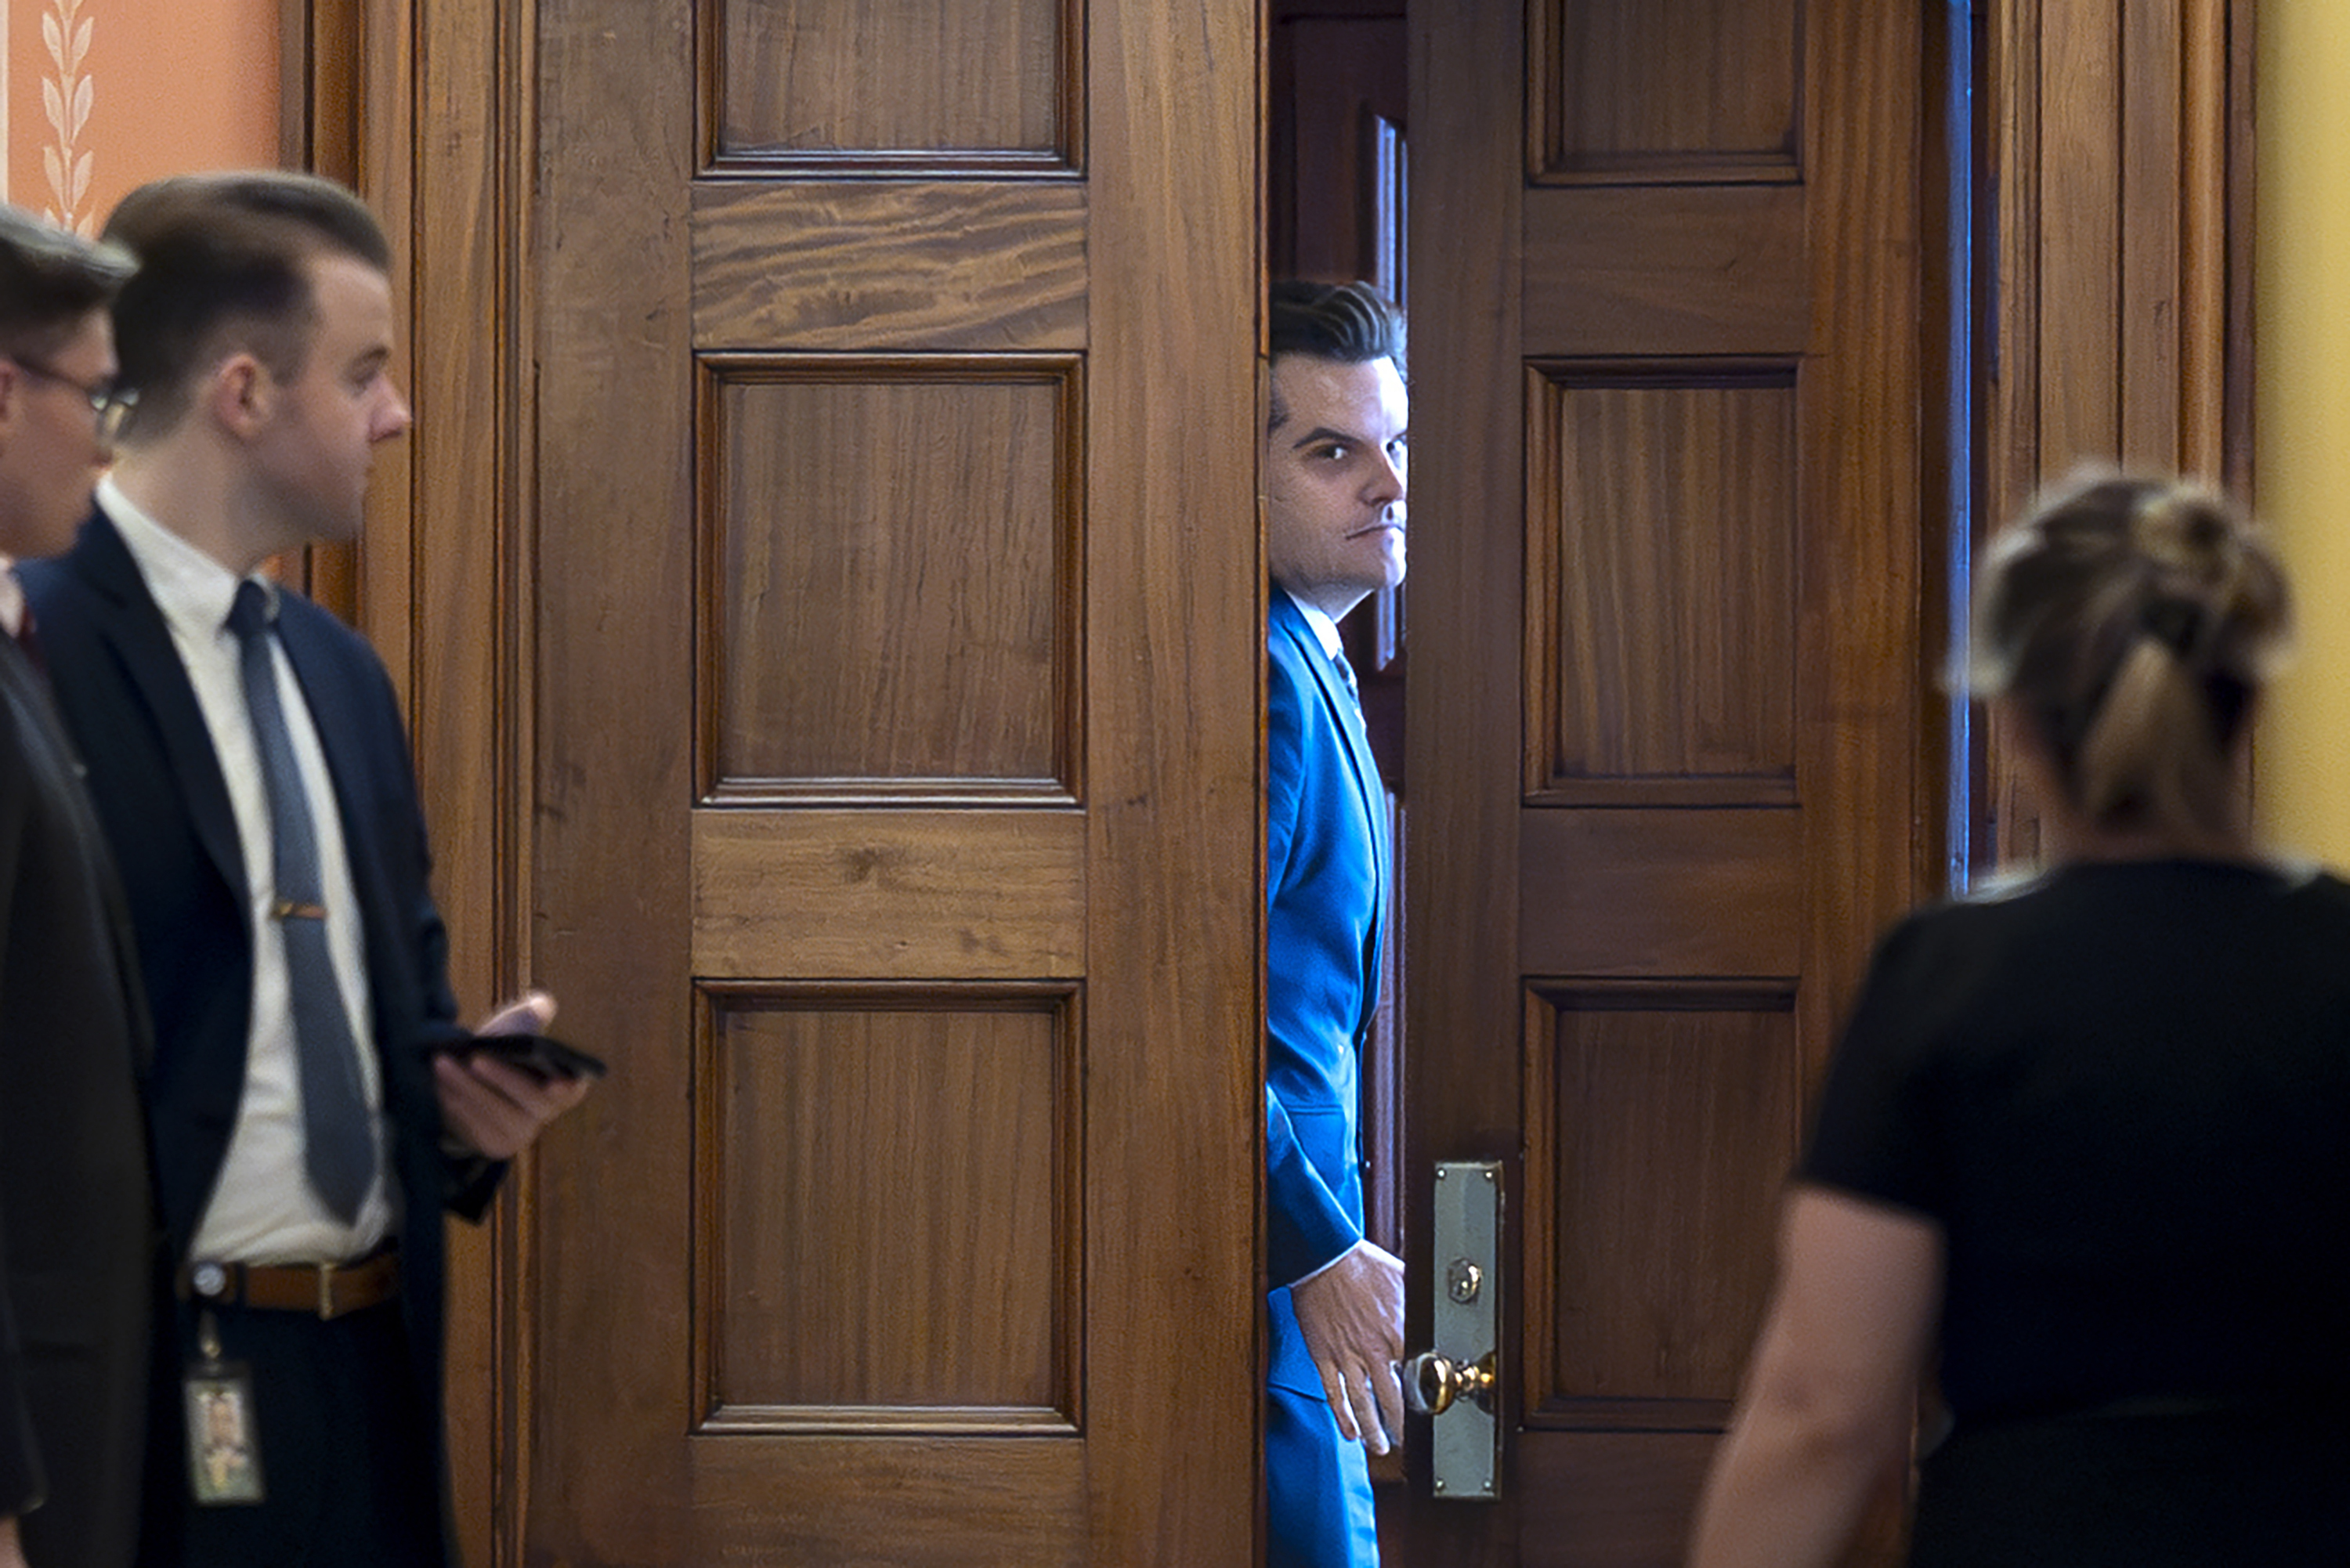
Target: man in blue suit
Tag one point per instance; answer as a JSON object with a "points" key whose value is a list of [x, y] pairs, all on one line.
{"points": [[246, 755], [1335, 463]]}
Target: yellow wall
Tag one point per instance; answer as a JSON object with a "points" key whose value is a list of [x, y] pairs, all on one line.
{"points": [[2303, 397], [103, 95]]}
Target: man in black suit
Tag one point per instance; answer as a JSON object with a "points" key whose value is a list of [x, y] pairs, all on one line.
{"points": [[248, 759], [77, 1215]]}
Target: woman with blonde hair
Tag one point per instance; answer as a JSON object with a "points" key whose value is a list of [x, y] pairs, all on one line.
{"points": [[2084, 1152]]}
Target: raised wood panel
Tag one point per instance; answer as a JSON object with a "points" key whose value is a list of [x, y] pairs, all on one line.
{"points": [[852, 895], [2152, 161], [1661, 1121], [1676, 892], [2080, 237], [1629, 1503], [890, 598], [934, 82], [1660, 566], [1677, 270], [890, 1192], [878, 265], [1665, 90], [2119, 166], [911, 1502]]}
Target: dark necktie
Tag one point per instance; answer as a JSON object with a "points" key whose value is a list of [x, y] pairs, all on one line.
{"points": [[1347, 676], [339, 1141]]}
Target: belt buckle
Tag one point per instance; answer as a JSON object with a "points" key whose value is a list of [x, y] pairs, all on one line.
{"points": [[212, 1282], [326, 1293]]}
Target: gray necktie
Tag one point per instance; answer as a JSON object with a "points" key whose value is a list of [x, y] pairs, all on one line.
{"points": [[338, 1142]]}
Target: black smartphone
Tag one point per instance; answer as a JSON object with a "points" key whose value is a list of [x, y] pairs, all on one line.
{"points": [[543, 1056]]}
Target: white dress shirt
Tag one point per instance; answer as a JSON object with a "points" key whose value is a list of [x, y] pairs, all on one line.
{"points": [[264, 1211], [12, 598], [1325, 630]]}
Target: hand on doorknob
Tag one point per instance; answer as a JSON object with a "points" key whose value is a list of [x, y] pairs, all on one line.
{"points": [[1351, 1314]]}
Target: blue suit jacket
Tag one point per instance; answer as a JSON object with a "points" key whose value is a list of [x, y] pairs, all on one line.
{"points": [[158, 788], [1325, 882]]}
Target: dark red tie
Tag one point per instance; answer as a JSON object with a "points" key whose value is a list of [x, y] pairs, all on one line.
{"points": [[29, 640]]}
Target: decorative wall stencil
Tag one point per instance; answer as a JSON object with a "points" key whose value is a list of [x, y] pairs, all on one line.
{"points": [[98, 97], [66, 96], [4, 21]]}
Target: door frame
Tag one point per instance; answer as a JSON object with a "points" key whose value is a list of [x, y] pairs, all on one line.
{"points": [[440, 582]]}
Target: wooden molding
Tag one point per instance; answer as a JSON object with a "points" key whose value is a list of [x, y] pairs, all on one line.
{"points": [[436, 583], [2121, 151]]}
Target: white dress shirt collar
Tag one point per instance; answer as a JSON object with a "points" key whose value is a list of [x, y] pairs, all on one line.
{"points": [[192, 590], [1324, 626]]}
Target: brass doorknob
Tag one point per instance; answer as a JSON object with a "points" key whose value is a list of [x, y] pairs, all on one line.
{"points": [[1432, 1382]]}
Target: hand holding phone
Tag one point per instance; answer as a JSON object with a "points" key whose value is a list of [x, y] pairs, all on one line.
{"points": [[543, 1056]]}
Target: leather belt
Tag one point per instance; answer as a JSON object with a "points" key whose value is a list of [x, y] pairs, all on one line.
{"points": [[329, 1290]]}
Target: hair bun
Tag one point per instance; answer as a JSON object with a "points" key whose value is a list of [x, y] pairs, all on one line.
{"points": [[2185, 529], [2176, 624], [2133, 620]]}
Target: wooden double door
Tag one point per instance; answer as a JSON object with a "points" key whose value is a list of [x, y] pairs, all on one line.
{"points": [[892, 808]]}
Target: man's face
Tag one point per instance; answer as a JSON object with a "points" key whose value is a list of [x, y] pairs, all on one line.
{"points": [[1334, 479], [312, 457], [51, 454]]}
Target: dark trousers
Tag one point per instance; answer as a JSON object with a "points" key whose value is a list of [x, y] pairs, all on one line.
{"points": [[346, 1448], [2213, 1489]]}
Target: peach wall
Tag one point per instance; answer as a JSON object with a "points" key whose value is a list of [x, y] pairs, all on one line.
{"points": [[145, 88]]}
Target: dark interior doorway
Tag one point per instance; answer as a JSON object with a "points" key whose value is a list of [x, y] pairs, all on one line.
{"points": [[1335, 209]]}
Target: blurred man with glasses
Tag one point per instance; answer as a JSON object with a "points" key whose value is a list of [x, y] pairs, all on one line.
{"points": [[110, 404], [80, 1282]]}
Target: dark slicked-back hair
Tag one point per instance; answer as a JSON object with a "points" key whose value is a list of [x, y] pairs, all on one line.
{"points": [[223, 262], [50, 282], [1349, 323]]}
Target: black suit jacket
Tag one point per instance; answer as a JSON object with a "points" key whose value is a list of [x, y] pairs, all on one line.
{"points": [[158, 788], [77, 1213]]}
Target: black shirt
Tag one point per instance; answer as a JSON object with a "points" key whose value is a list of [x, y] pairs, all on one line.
{"points": [[2123, 1092]]}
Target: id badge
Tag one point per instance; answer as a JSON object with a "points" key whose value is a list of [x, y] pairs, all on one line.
{"points": [[223, 1447]]}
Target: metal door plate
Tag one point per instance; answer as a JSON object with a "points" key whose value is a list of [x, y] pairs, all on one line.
{"points": [[1465, 1441]]}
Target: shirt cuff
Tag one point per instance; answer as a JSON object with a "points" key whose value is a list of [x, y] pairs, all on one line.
{"points": [[1331, 1264]]}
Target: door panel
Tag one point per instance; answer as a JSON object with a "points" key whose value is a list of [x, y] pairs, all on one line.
{"points": [[949, 650], [1666, 697], [1637, 1294], [1674, 89], [894, 730], [850, 1298], [978, 78]]}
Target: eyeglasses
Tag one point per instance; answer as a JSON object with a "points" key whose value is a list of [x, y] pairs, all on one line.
{"points": [[111, 404]]}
